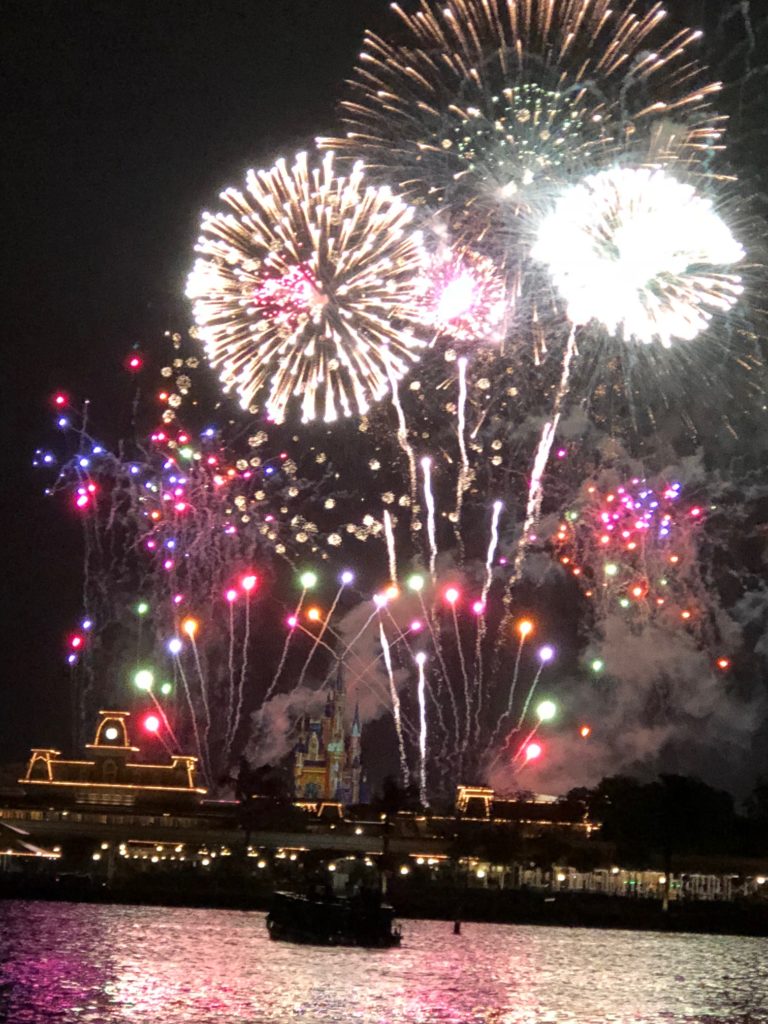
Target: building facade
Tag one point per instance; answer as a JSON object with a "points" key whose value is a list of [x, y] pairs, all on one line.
{"points": [[326, 757], [110, 774]]}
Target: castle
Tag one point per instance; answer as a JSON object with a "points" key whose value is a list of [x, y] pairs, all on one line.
{"points": [[326, 759]]}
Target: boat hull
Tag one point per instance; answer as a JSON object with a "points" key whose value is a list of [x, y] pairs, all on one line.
{"points": [[332, 922]]}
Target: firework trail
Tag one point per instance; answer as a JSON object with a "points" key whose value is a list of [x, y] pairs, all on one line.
{"points": [[395, 705], [525, 628], [407, 449], [420, 660], [403, 637], [464, 674], [463, 476], [521, 754], [319, 637], [243, 667], [390, 539], [492, 548], [429, 501], [286, 644], [540, 460], [229, 733], [190, 628], [435, 637], [192, 715], [161, 711], [529, 697], [480, 609]]}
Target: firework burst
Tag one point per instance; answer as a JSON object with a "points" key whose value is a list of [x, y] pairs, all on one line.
{"points": [[465, 298], [487, 105], [639, 252], [307, 285]]}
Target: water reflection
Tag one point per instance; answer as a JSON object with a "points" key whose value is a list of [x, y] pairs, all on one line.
{"points": [[119, 965]]}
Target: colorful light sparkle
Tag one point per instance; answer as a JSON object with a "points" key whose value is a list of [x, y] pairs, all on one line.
{"points": [[190, 626], [144, 679], [546, 711]]}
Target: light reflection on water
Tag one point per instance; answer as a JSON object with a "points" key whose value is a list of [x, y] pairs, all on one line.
{"points": [[124, 965]]}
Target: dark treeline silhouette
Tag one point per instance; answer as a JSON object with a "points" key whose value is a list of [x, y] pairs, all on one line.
{"points": [[674, 815]]}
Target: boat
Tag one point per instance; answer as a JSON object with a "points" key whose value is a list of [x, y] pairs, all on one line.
{"points": [[361, 920]]}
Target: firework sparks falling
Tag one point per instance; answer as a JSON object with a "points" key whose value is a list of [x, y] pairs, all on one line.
{"points": [[193, 519], [308, 285], [638, 251], [634, 547]]}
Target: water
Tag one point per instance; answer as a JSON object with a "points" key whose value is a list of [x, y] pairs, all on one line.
{"points": [[122, 964]]}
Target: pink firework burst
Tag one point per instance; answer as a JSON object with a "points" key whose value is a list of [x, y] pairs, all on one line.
{"points": [[466, 298]]}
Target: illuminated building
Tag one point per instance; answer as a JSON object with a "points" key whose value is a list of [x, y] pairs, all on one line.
{"points": [[474, 801], [326, 758], [111, 775], [530, 812]]}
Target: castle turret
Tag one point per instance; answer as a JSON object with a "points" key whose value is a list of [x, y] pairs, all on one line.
{"points": [[299, 752], [355, 762]]}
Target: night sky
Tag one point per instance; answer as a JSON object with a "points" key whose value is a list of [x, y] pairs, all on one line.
{"points": [[122, 120]]}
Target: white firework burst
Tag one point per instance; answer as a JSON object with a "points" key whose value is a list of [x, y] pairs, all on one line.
{"points": [[641, 253]]}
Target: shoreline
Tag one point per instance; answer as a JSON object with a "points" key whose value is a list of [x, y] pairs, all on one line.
{"points": [[513, 907]]}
